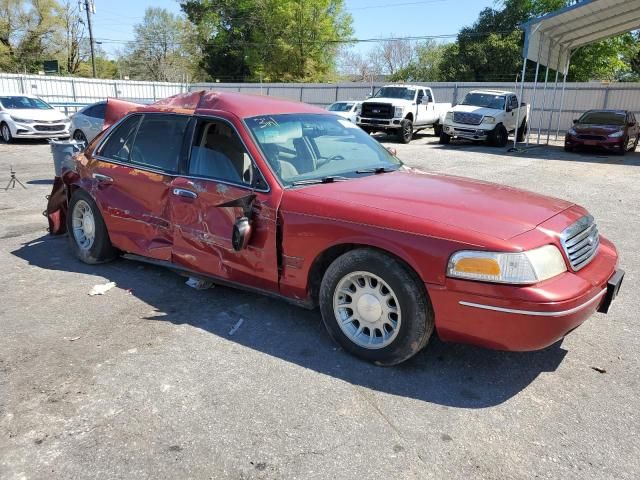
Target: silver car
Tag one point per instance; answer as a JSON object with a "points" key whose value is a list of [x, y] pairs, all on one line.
{"points": [[87, 122]]}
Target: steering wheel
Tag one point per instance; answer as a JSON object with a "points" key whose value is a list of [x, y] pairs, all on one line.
{"points": [[324, 161]]}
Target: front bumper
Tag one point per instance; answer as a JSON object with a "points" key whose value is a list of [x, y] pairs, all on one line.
{"points": [[381, 123], [613, 144], [40, 130], [471, 132], [507, 317]]}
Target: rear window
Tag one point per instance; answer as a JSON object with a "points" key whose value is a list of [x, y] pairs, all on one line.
{"points": [[341, 107], [602, 118]]}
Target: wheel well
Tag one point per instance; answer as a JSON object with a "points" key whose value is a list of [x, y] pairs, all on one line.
{"points": [[409, 116], [326, 258]]}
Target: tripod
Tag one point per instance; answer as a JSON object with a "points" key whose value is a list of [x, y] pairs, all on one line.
{"points": [[13, 180]]}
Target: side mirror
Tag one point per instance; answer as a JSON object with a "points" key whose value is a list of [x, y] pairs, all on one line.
{"points": [[241, 234], [575, 120], [392, 151], [509, 109]]}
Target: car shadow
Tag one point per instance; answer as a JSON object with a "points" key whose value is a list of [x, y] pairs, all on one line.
{"points": [[40, 182], [452, 375]]}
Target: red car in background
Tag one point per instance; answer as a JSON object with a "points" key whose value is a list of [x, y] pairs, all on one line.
{"points": [[289, 200], [613, 130]]}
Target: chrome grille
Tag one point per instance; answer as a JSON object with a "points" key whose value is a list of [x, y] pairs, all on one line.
{"points": [[580, 242], [467, 118]]}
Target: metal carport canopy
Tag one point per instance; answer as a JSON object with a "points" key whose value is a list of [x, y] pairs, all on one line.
{"points": [[550, 39]]}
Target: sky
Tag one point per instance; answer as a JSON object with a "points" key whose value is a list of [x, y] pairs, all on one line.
{"points": [[114, 19]]}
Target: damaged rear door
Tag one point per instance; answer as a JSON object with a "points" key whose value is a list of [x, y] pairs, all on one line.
{"points": [[222, 184], [131, 174]]}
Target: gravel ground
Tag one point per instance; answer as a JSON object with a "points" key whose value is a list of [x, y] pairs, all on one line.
{"points": [[150, 380]]}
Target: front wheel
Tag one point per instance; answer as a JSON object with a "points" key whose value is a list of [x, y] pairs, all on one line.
{"points": [[5, 132], [375, 308], [445, 138], [88, 235], [499, 137], [406, 131]]}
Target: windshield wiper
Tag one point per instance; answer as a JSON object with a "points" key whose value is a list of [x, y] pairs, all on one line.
{"points": [[314, 181], [377, 170]]}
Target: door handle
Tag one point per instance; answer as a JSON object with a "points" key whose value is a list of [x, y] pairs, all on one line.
{"points": [[181, 192], [102, 179]]}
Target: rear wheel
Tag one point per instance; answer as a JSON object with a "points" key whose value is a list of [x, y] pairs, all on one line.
{"points": [[5, 133], [88, 235], [79, 136], [499, 136], [522, 131], [437, 129], [375, 308], [406, 131]]}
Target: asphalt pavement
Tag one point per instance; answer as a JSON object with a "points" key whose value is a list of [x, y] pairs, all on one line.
{"points": [[157, 380]]}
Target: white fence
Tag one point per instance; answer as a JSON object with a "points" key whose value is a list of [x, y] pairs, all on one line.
{"points": [[69, 93]]}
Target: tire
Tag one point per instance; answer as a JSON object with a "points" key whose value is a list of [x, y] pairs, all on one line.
{"points": [[385, 287], [99, 248], [79, 136], [445, 138], [406, 131], [567, 148], [635, 146], [5, 133], [437, 129], [521, 133], [367, 130], [499, 137]]}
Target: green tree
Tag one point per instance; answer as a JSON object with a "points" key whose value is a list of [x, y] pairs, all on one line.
{"points": [[162, 49], [491, 49], [276, 40]]}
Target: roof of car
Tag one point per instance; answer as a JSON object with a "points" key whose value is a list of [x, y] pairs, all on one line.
{"points": [[608, 110], [240, 104], [496, 92]]}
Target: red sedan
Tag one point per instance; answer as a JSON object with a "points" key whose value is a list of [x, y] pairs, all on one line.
{"points": [[613, 130], [289, 200]]}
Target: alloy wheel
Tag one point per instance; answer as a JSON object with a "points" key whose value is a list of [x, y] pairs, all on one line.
{"points": [[84, 225], [367, 310]]}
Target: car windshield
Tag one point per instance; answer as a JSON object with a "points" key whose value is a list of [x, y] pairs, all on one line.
{"points": [[24, 103], [602, 118], [396, 92], [310, 147], [486, 100], [340, 107]]}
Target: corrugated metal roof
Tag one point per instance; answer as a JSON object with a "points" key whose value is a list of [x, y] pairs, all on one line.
{"points": [[550, 39]]}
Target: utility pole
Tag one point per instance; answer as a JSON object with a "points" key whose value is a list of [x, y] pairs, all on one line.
{"points": [[90, 8]]}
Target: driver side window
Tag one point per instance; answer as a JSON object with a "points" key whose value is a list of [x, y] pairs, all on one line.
{"points": [[218, 153]]}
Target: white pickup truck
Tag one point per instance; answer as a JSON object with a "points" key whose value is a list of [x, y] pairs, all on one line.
{"points": [[486, 116], [402, 109]]}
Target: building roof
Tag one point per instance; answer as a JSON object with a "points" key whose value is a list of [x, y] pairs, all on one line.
{"points": [[550, 39]]}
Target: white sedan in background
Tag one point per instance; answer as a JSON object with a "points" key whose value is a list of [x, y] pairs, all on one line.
{"points": [[87, 122], [348, 110], [27, 116]]}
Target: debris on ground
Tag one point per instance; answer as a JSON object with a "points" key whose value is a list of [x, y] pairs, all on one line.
{"points": [[599, 370], [236, 326], [199, 283], [101, 289], [71, 339]]}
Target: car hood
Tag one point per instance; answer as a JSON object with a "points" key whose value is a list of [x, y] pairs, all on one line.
{"points": [[36, 114], [394, 101], [494, 210], [474, 109], [597, 129]]}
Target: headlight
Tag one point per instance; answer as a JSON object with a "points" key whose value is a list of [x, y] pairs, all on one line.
{"points": [[488, 119], [616, 134], [398, 111], [449, 116], [518, 268], [21, 120], [572, 131]]}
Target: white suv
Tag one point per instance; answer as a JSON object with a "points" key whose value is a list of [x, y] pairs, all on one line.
{"points": [[27, 116]]}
